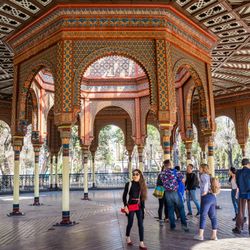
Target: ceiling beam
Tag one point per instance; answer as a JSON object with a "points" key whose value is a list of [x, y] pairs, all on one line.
{"points": [[198, 12], [229, 57], [230, 81], [234, 75], [6, 87], [237, 8], [245, 16], [238, 69], [233, 60], [221, 87], [12, 4], [235, 14]]}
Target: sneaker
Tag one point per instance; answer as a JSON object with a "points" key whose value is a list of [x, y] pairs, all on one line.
{"points": [[245, 219], [161, 222], [234, 219], [185, 228], [198, 214], [236, 230], [189, 214], [198, 237]]}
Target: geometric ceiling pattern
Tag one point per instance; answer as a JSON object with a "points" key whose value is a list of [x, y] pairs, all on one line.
{"points": [[114, 67], [228, 20]]}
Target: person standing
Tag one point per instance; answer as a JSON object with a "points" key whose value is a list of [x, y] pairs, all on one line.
{"points": [[191, 184], [135, 192], [243, 183], [234, 190], [162, 201], [208, 204], [170, 179]]}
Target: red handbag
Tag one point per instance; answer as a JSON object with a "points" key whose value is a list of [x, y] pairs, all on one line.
{"points": [[123, 211], [133, 207]]}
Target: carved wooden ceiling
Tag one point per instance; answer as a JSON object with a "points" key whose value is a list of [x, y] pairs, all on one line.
{"points": [[229, 20]]}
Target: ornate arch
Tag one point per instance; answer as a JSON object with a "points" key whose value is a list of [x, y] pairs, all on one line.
{"points": [[108, 51], [202, 90], [128, 107], [26, 83]]}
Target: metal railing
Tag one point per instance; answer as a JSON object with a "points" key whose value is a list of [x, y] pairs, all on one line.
{"points": [[103, 180]]}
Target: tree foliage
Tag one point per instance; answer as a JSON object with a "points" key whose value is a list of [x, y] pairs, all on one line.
{"points": [[227, 150]]}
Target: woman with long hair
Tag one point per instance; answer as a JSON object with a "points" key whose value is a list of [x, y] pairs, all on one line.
{"points": [[208, 204], [134, 196], [234, 190]]}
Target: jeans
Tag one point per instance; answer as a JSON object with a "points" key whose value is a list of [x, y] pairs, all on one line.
{"points": [[208, 204], [235, 201], [191, 194], [173, 200], [139, 215], [163, 203]]}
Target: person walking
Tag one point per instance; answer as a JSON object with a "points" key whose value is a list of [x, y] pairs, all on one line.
{"points": [[243, 183], [162, 201], [208, 203], [134, 196], [234, 190], [191, 184], [170, 179]]}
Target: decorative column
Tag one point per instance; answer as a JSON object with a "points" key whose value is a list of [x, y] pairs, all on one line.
{"points": [[93, 169], [65, 132], [36, 175], [51, 171], [210, 159], [56, 170], [130, 165], [166, 141], [85, 151], [18, 143], [35, 139], [188, 146], [140, 156]]}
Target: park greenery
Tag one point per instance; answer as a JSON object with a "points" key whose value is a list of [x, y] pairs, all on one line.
{"points": [[111, 154]]}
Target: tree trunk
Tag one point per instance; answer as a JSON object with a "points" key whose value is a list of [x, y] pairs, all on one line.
{"points": [[230, 156]]}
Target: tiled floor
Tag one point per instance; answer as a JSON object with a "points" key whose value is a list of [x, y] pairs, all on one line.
{"points": [[102, 226]]}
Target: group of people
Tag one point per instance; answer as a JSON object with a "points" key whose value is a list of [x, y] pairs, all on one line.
{"points": [[174, 186]]}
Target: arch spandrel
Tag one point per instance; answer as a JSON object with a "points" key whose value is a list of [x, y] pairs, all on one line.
{"points": [[142, 52]]}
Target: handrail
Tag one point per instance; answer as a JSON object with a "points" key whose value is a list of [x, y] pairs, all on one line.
{"points": [[103, 180]]}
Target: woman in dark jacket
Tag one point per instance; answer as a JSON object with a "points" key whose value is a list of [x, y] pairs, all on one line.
{"points": [[135, 192]]}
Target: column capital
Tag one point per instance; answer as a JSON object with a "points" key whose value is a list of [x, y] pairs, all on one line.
{"points": [[17, 141], [166, 127], [65, 133], [36, 140]]}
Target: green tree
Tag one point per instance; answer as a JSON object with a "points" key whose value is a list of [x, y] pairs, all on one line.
{"points": [[225, 141], [104, 153]]}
